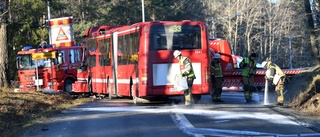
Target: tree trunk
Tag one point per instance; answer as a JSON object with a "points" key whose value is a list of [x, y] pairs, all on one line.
{"points": [[310, 26], [3, 56]]}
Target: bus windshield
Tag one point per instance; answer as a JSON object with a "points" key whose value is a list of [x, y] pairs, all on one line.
{"points": [[26, 62], [175, 37]]}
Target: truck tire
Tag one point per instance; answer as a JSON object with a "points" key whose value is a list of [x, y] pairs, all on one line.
{"points": [[68, 85]]}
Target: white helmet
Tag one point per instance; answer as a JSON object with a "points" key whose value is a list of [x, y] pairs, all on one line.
{"points": [[176, 53], [264, 63], [216, 56]]}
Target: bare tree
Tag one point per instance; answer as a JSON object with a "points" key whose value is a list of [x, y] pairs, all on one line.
{"points": [[264, 27], [3, 44], [310, 24]]}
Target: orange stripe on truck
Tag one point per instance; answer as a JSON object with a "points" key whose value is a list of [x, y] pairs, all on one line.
{"points": [[63, 44], [60, 22]]}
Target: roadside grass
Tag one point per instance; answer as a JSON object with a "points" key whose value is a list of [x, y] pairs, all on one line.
{"points": [[21, 109], [308, 102], [306, 92]]}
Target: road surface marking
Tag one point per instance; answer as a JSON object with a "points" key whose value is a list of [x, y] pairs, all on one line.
{"points": [[188, 128]]}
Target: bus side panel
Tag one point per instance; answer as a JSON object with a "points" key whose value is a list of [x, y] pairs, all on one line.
{"points": [[100, 80], [124, 74], [142, 84], [108, 77]]}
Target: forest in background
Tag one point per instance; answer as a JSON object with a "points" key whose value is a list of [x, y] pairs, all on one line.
{"points": [[259, 26]]}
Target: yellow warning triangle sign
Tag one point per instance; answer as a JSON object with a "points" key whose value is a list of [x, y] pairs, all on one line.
{"points": [[62, 35]]}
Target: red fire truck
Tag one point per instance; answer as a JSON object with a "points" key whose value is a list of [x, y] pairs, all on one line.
{"points": [[51, 66], [231, 71], [48, 68], [136, 60]]}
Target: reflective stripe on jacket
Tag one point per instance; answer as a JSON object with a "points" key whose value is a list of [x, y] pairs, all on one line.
{"points": [[216, 70], [186, 67], [249, 69]]}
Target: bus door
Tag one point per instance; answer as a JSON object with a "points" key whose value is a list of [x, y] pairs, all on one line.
{"points": [[115, 63], [104, 63]]}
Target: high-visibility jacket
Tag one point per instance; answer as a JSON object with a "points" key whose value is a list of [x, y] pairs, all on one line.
{"points": [[186, 67], [248, 67], [216, 70]]}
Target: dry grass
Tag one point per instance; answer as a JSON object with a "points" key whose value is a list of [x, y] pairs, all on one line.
{"points": [[305, 92], [18, 110]]}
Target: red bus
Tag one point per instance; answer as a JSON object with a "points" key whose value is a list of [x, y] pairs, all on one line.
{"points": [[136, 61]]}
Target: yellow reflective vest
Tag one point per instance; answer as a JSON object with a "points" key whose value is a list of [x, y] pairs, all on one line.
{"points": [[248, 67], [186, 67]]}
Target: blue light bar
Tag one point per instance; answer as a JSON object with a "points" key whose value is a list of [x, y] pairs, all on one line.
{"points": [[27, 47], [45, 46], [48, 46]]}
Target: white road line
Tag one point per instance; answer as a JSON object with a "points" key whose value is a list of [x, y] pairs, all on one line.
{"points": [[183, 123], [221, 116]]}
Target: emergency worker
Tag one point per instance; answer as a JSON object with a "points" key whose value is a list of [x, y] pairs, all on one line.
{"points": [[216, 78], [186, 70], [277, 77], [248, 66]]}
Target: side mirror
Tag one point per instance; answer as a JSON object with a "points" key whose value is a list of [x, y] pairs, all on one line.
{"points": [[17, 62], [60, 58]]}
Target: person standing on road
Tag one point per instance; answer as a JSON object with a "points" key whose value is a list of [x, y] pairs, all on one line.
{"points": [[216, 78], [248, 66], [186, 70], [277, 76]]}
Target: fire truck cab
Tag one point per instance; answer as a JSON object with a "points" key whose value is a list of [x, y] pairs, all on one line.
{"points": [[47, 67]]}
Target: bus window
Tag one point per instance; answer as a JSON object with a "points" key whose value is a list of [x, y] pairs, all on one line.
{"points": [[92, 60], [175, 37], [104, 59], [92, 45], [128, 49]]}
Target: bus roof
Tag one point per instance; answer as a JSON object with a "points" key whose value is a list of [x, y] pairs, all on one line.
{"points": [[98, 30]]}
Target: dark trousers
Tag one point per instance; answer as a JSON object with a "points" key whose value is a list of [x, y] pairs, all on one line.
{"points": [[188, 93], [216, 88]]}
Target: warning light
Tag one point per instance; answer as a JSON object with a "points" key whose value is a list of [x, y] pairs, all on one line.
{"points": [[26, 48]]}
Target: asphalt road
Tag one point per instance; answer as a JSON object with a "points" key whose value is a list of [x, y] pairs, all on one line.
{"points": [[121, 118]]}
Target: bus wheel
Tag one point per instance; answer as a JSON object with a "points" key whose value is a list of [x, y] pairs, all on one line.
{"points": [[109, 90], [196, 98], [68, 85]]}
